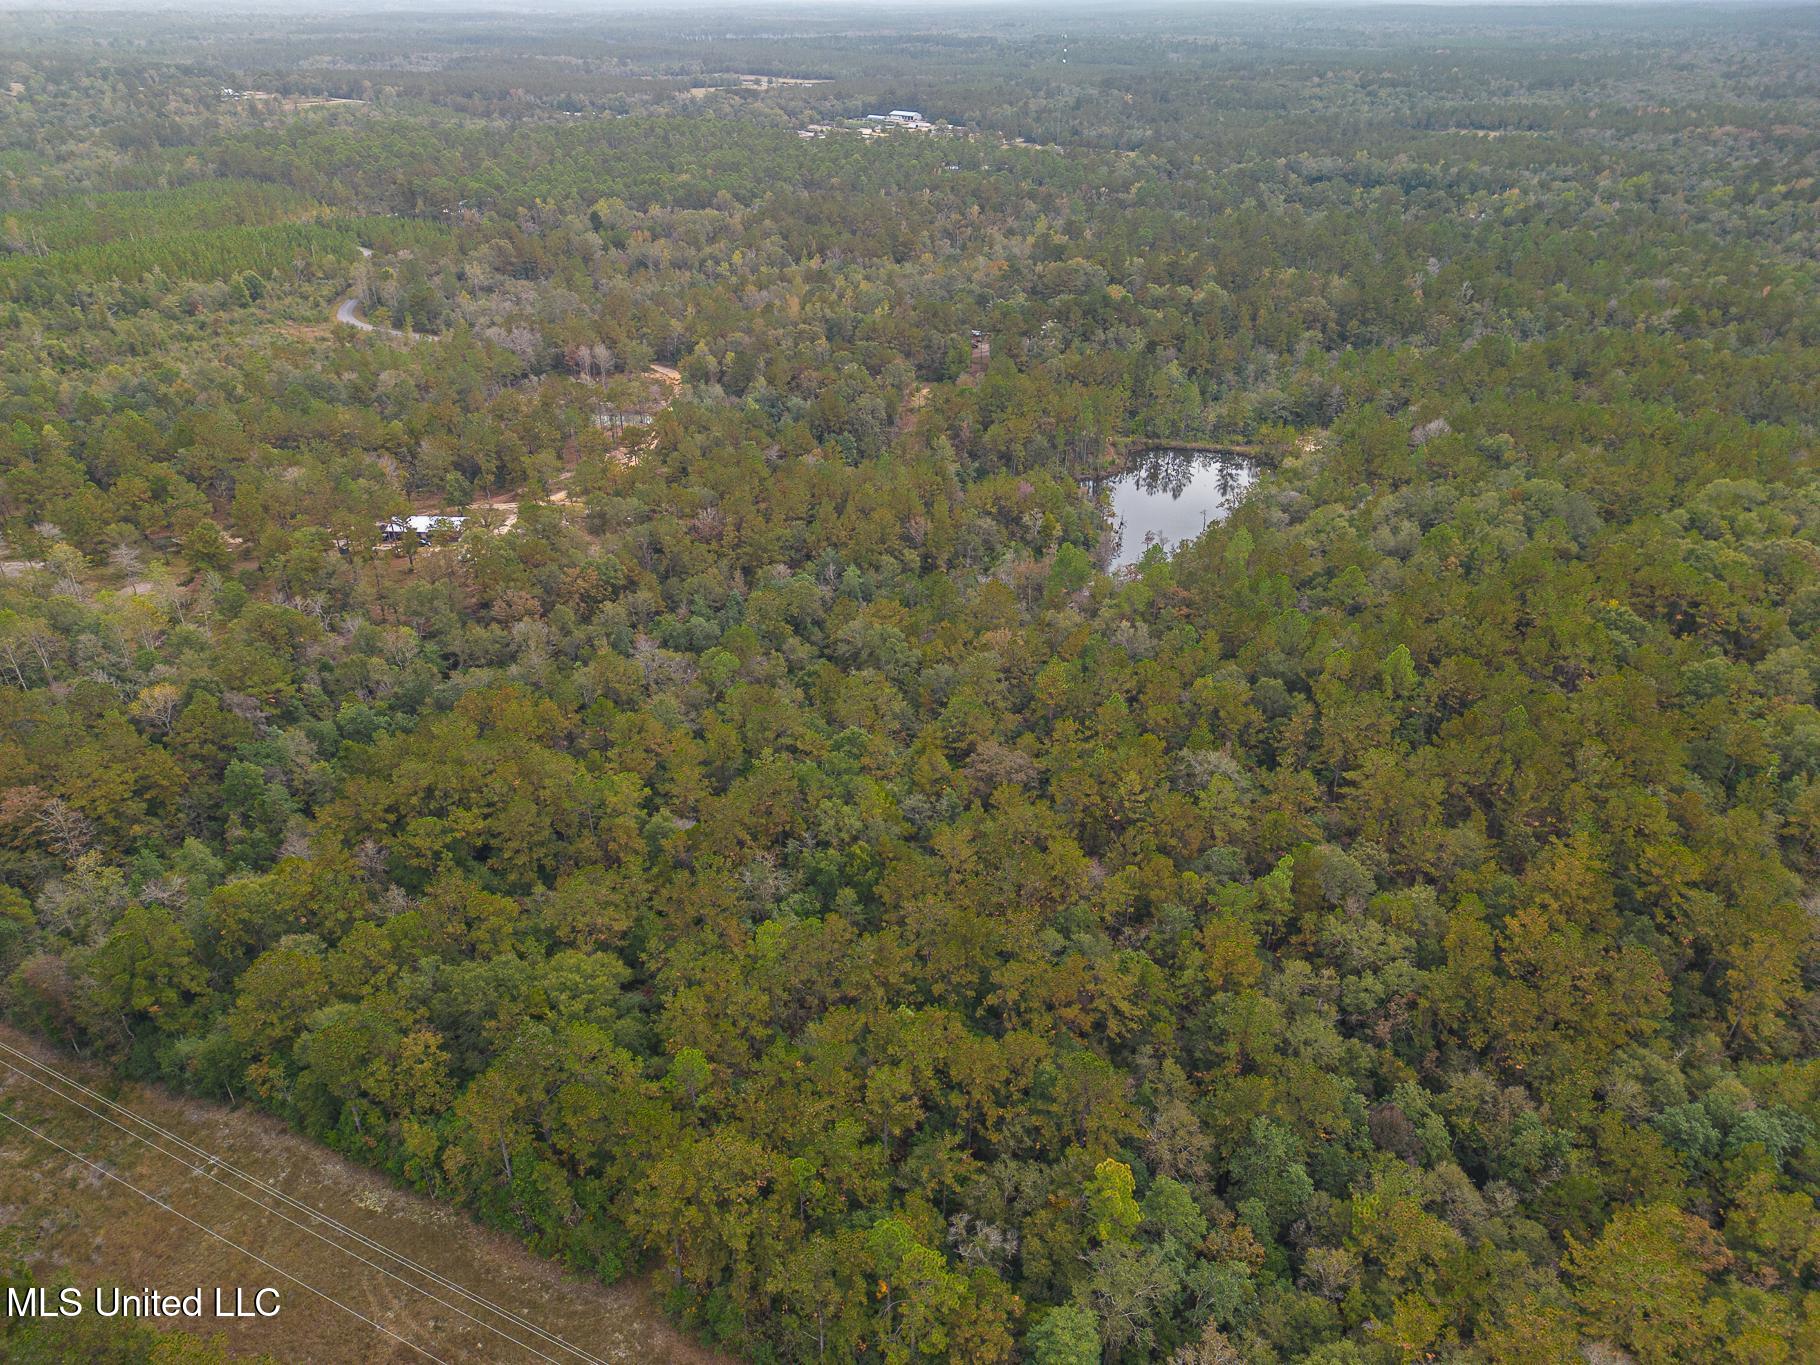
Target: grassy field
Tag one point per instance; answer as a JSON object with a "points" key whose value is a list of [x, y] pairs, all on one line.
{"points": [[78, 1226]]}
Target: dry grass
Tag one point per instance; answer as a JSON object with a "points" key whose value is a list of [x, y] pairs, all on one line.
{"points": [[78, 1226]]}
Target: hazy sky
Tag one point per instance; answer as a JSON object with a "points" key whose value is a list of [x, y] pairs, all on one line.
{"points": [[900, 8]]}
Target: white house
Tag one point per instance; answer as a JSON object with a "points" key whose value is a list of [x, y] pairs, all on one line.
{"points": [[421, 525], [905, 116]]}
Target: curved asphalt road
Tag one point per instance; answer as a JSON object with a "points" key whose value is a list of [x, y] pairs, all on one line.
{"points": [[345, 313]]}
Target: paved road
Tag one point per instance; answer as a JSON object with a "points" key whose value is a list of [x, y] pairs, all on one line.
{"points": [[346, 313]]}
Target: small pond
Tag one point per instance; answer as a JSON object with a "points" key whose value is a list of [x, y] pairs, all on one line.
{"points": [[1168, 497]]}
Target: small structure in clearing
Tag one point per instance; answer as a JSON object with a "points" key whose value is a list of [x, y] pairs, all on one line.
{"points": [[421, 525], [902, 118]]}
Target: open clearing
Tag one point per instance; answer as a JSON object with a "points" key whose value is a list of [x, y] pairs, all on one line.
{"points": [[80, 1227]]}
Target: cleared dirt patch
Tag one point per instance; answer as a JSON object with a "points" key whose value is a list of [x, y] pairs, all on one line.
{"points": [[80, 1227]]}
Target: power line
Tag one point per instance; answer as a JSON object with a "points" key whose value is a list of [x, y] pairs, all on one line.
{"points": [[264, 1208], [352, 1234], [204, 1227]]}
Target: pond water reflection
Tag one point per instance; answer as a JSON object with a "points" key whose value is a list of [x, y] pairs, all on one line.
{"points": [[1167, 497]]}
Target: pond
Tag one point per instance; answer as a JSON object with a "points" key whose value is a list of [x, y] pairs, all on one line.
{"points": [[1168, 497]]}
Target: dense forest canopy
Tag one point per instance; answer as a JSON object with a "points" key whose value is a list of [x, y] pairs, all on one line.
{"points": [[761, 846]]}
